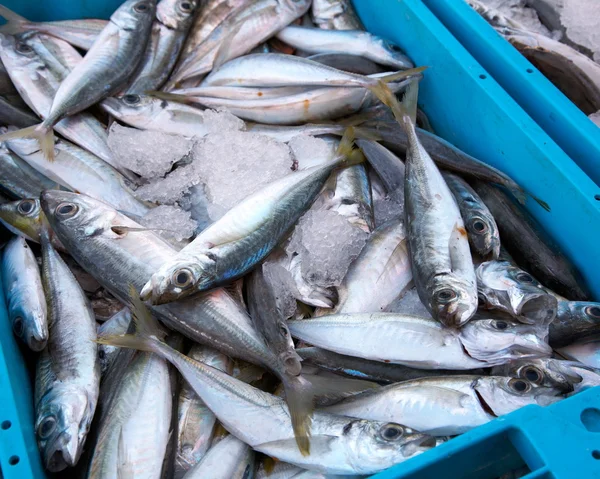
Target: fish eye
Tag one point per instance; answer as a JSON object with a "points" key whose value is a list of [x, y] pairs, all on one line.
{"points": [[391, 432], [26, 206], [532, 374], [518, 385], [500, 325], [23, 48], [186, 7], [18, 325], [141, 7], [183, 278], [66, 210], [46, 427], [445, 295], [131, 99], [524, 278], [101, 354], [593, 312], [478, 225]]}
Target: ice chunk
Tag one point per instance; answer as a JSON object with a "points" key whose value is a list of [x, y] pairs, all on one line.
{"points": [[581, 18], [235, 164], [595, 117], [309, 151], [409, 304], [174, 223], [171, 188], [222, 121], [147, 153], [327, 243], [389, 207], [196, 202]]}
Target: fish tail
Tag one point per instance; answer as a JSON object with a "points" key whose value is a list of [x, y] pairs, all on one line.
{"points": [[41, 132], [15, 23], [299, 397], [405, 112], [402, 75], [346, 146]]}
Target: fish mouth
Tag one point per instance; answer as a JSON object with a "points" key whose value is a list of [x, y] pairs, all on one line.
{"points": [[419, 445], [64, 453], [535, 308], [36, 344]]}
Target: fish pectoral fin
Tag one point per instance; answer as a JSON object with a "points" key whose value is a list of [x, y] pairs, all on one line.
{"points": [[400, 253], [458, 249], [124, 470], [318, 445]]}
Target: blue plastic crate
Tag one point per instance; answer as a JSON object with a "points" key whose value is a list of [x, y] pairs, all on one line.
{"points": [[570, 128], [468, 108]]}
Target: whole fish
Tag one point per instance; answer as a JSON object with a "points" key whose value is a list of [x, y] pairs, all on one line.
{"points": [[24, 294], [506, 287], [78, 170], [445, 406], [133, 435], [15, 115], [353, 42], [18, 178], [378, 371], [68, 372], [237, 34], [439, 248], [245, 235], [479, 222], [261, 420], [196, 422], [107, 65], [575, 320], [229, 459], [531, 248], [335, 15], [116, 324], [422, 342], [119, 253], [25, 218]]}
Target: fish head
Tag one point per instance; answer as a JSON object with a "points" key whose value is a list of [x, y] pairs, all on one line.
{"points": [[547, 372], [374, 446], [23, 217], [176, 14], [136, 109], [181, 278], [453, 301], [295, 7], [30, 325], [483, 233], [63, 420], [18, 56], [497, 341], [132, 13], [504, 286], [579, 311], [502, 395]]}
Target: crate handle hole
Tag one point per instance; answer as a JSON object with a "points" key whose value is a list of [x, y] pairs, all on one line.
{"points": [[529, 70], [13, 460], [6, 425], [596, 454], [482, 76], [597, 197], [590, 418]]}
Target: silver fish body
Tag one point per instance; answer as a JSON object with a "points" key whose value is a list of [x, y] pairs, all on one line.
{"points": [[575, 320], [389, 167], [335, 15], [117, 324], [347, 63], [229, 459], [586, 351], [20, 179], [11, 114], [24, 294]]}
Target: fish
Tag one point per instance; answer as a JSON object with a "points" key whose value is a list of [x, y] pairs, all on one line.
{"points": [[262, 420], [353, 42], [68, 372], [25, 218], [586, 351], [389, 167], [335, 15], [235, 243], [19, 179], [107, 65], [441, 260], [481, 227], [229, 459], [445, 406], [196, 423], [116, 324], [15, 115], [505, 287], [26, 302], [525, 240], [422, 343], [574, 321]]}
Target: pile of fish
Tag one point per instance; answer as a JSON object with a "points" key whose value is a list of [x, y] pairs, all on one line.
{"points": [[352, 292]]}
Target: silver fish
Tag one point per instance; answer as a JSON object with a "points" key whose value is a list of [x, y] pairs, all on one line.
{"points": [[15, 115], [229, 459], [574, 321], [335, 15], [68, 372], [422, 342], [479, 222], [27, 309], [505, 287], [586, 351], [445, 406], [389, 167], [353, 42], [20, 179], [116, 324]]}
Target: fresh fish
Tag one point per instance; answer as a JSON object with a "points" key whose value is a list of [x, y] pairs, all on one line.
{"points": [[338, 444], [335, 15], [107, 65], [245, 235], [422, 342], [229, 459], [68, 372], [506, 287], [25, 218], [15, 115], [440, 256], [237, 34], [574, 321], [378, 371], [347, 63], [532, 249], [388, 166], [196, 422], [18, 178], [353, 42], [445, 406], [24, 294], [479, 222], [173, 20], [78, 170], [116, 324], [586, 351], [133, 435]]}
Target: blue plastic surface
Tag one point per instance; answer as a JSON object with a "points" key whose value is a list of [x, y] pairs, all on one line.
{"points": [[468, 108], [549, 107]]}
